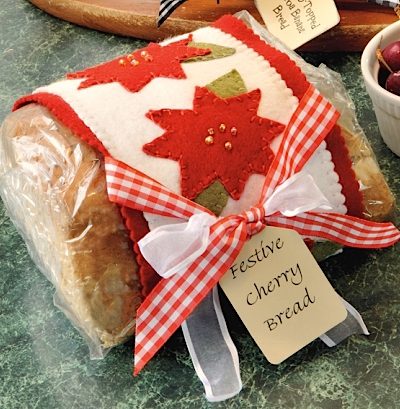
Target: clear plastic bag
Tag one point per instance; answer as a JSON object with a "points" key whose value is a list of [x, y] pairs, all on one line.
{"points": [[53, 186]]}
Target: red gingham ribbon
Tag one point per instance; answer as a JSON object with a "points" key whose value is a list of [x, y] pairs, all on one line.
{"points": [[173, 299]]}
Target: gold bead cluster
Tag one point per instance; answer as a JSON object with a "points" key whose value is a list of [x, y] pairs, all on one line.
{"points": [[130, 58], [146, 56], [209, 139]]}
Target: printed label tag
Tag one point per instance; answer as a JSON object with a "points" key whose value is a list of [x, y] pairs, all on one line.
{"points": [[296, 22], [281, 294]]}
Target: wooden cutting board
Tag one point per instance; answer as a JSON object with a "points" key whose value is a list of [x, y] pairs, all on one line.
{"points": [[360, 20]]}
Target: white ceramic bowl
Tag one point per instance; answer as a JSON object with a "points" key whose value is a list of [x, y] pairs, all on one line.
{"points": [[386, 104]]}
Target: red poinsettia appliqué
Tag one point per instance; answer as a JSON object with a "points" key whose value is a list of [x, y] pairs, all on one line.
{"points": [[220, 139], [136, 70]]}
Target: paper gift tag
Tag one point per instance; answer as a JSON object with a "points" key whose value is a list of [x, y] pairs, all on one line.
{"points": [[281, 294], [296, 22]]}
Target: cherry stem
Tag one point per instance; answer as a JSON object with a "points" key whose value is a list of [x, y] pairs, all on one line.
{"points": [[380, 58]]}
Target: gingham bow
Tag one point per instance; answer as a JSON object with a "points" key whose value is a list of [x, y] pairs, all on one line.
{"points": [[174, 298], [254, 219]]}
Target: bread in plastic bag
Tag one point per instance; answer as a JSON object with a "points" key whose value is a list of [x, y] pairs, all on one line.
{"points": [[53, 186]]}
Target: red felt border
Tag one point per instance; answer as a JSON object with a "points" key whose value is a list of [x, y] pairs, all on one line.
{"points": [[336, 144], [138, 227]]}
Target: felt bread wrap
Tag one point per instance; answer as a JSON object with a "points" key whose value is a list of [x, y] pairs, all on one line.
{"points": [[203, 114]]}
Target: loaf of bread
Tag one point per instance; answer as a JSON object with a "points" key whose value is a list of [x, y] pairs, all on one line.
{"points": [[378, 200], [52, 178], [53, 185]]}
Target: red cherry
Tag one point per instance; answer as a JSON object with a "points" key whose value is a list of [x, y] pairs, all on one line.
{"points": [[393, 83], [391, 55]]}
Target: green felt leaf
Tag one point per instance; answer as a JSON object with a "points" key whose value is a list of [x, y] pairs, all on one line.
{"points": [[229, 85], [215, 196], [217, 51]]}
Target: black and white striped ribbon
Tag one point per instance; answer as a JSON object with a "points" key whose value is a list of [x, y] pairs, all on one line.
{"points": [[387, 3], [167, 7]]}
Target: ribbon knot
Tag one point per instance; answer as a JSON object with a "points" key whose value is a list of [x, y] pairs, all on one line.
{"points": [[255, 220]]}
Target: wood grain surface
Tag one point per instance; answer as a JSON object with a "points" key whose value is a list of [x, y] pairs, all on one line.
{"points": [[360, 20]]}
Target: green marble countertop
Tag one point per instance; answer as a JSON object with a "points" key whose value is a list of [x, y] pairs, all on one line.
{"points": [[44, 362]]}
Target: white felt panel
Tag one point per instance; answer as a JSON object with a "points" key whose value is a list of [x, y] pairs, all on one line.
{"points": [[277, 101], [117, 116], [321, 168]]}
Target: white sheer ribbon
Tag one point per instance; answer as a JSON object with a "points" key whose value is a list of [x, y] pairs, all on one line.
{"points": [[212, 350], [171, 248], [353, 324]]}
